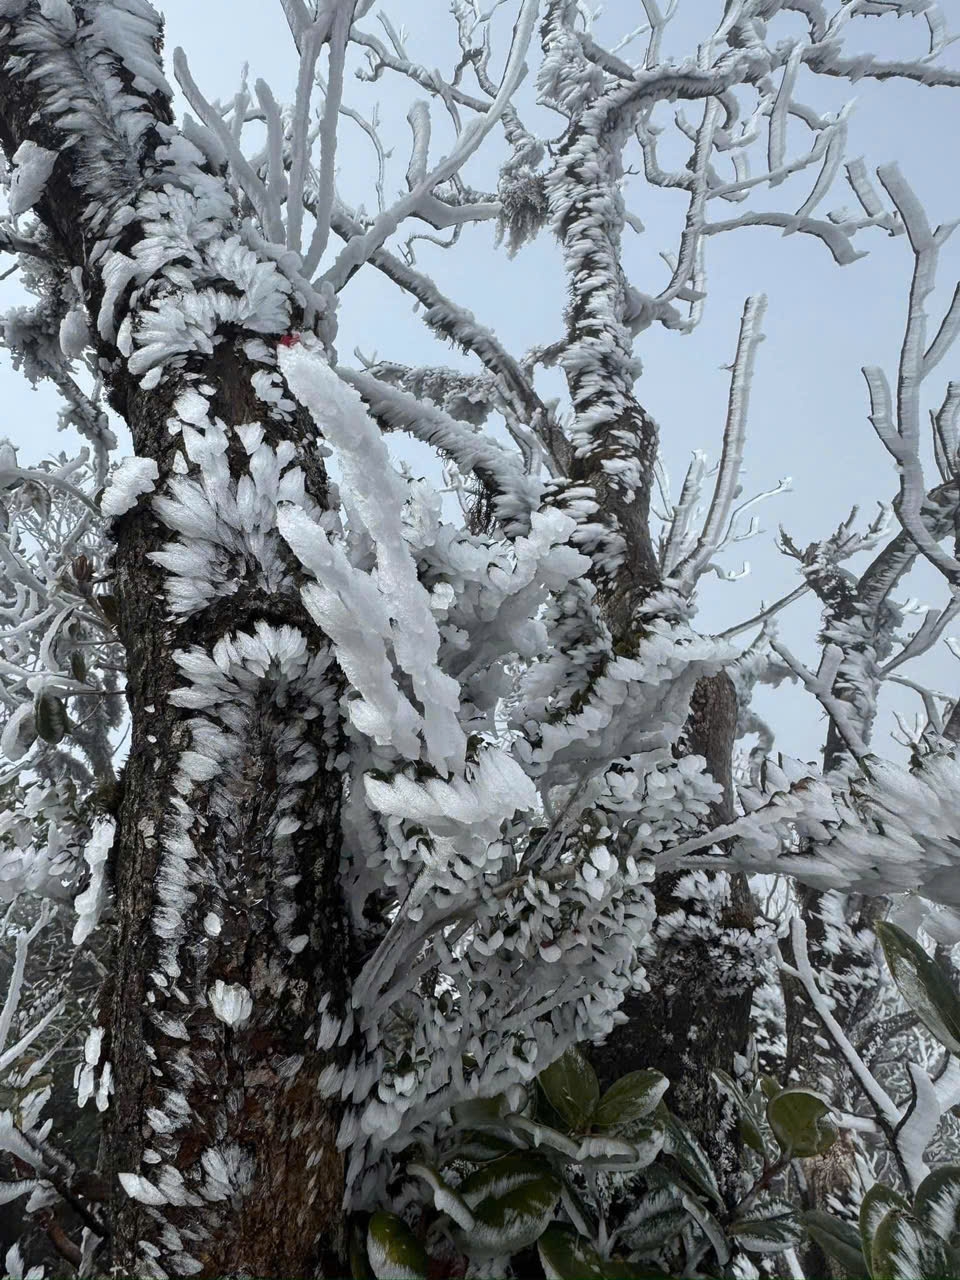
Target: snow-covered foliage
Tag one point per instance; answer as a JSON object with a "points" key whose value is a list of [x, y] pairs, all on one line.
{"points": [[435, 789]]}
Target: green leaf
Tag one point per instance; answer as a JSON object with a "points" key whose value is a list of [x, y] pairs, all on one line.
{"points": [[750, 1130], [359, 1262], [800, 1122], [923, 984], [629, 1099], [937, 1202], [838, 1239], [572, 1089], [394, 1251], [476, 1113], [770, 1226], [770, 1086], [50, 715], [566, 1256], [904, 1249], [874, 1207], [513, 1200], [680, 1143], [445, 1198]]}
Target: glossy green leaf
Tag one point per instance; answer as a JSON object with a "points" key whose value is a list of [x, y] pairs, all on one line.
{"points": [[360, 1268], [837, 1239], [394, 1251], [680, 1143], [874, 1207], [513, 1200], [572, 1089], [923, 984], [801, 1122], [50, 716], [904, 1249], [629, 1100], [475, 1113], [770, 1086], [937, 1202], [566, 1256], [769, 1226]]}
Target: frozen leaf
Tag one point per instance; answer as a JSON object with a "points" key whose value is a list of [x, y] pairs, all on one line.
{"points": [[445, 1198], [572, 1089], [644, 1144], [904, 1249], [769, 1226], [513, 1200], [800, 1122], [750, 1130], [680, 1143], [543, 1135], [877, 1202], [923, 984], [937, 1202], [709, 1225], [629, 1099], [394, 1251]]}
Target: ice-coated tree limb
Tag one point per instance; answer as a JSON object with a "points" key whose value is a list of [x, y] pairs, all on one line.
{"points": [[898, 424], [727, 484], [340, 22], [359, 249]]}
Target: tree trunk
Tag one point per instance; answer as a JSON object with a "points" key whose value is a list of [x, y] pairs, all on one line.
{"points": [[696, 1015], [250, 1093], [231, 932]]}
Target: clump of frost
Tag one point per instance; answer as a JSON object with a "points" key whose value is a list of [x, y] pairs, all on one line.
{"points": [[90, 903], [32, 167], [132, 478], [230, 1002]]}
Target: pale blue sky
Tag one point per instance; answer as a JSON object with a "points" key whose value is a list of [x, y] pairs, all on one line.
{"points": [[808, 412]]}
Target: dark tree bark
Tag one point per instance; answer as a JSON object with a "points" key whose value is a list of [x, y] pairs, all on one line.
{"points": [[696, 1016], [247, 1092]]}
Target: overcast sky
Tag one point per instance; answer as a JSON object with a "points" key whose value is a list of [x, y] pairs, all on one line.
{"points": [[808, 416]]}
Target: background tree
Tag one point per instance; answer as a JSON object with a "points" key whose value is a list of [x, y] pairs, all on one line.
{"points": [[416, 798]]}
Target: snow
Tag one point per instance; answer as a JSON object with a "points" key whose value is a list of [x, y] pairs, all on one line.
{"points": [[89, 904], [132, 478], [231, 1002], [32, 169]]}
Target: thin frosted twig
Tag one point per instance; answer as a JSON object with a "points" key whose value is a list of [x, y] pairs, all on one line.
{"points": [[835, 707], [883, 1104]]}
